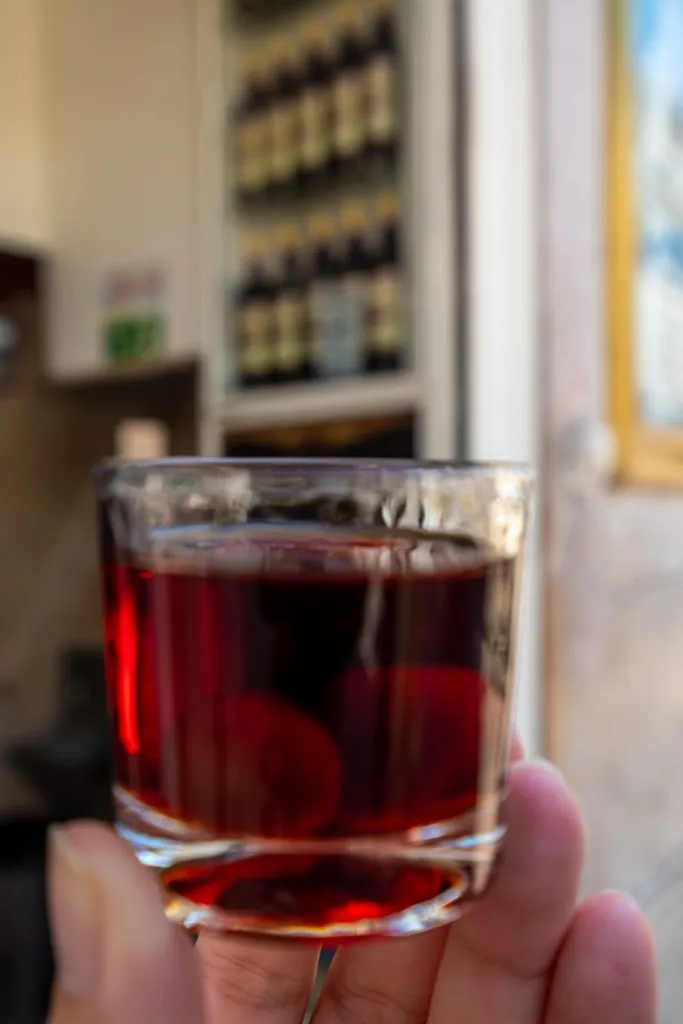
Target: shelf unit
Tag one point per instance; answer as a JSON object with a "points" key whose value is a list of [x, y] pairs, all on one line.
{"points": [[498, 169], [427, 187], [316, 402]]}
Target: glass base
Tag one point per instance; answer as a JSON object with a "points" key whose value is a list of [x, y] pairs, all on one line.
{"points": [[326, 891]]}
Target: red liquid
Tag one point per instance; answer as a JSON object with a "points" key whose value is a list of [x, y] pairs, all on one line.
{"points": [[309, 697]]}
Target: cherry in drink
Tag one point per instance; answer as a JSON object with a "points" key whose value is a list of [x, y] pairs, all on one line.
{"points": [[311, 717]]}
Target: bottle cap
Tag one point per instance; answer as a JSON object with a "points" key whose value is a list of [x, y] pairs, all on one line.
{"points": [[284, 52], [384, 6], [315, 34], [348, 16]]}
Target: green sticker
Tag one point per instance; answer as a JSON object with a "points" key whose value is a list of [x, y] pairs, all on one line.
{"points": [[136, 339]]}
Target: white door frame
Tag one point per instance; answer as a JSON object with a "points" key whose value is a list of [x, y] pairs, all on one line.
{"points": [[503, 336]]}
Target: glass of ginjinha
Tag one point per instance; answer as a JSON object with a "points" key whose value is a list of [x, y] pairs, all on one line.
{"points": [[310, 672]]}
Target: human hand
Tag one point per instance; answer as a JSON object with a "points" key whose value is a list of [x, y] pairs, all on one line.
{"points": [[527, 954]]}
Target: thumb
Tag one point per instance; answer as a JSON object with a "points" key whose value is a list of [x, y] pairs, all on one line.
{"points": [[118, 958]]}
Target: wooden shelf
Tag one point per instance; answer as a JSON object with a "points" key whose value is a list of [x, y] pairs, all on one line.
{"points": [[321, 401], [128, 373]]}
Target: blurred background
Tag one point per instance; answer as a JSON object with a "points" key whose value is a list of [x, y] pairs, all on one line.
{"points": [[445, 229]]}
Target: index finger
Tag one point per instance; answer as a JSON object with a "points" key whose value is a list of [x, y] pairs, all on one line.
{"points": [[254, 981]]}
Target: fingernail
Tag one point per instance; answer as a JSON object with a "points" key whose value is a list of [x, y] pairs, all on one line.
{"points": [[74, 898], [130, 917]]}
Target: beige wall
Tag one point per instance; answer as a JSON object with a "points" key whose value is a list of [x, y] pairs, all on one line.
{"points": [[23, 204], [122, 119]]}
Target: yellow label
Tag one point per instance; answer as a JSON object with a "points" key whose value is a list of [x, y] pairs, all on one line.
{"points": [[256, 361], [255, 326], [242, 154], [316, 305], [256, 320], [382, 99], [259, 152], [386, 319], [349, 121], [284, 141], [289, 313], [315, 128], [253, 155]]}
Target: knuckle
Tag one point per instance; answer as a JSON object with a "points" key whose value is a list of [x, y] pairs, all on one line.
{"points": [[243, 981], [356, 1003]]}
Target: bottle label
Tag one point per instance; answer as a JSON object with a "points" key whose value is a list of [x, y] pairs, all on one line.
{"points": [[340, 320], [260, 135], [315, 313], [349, 121], [284, 140], [386, 330], [242, 154], [254, 327], [382, 113], [289, 324], [315, 128]]}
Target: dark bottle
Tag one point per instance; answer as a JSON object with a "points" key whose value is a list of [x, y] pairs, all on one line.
{"points": [[382, 84], [261, 127], [252, 130], [284, 117], [242, 137], [255, 318], [290, 308], [323, 284], [349, 114], [385, 323], [316, 104], [348, 316]]}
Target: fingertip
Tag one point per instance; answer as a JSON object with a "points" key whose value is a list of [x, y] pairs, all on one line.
{"points": [[617, 914], [541, 810], [129, 892], [607, 967], [115, 947], [74, 913], [93, 839]]}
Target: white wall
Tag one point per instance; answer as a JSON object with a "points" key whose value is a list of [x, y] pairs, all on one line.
{"points": [[23, 206], [504, 421], [121, 137]]}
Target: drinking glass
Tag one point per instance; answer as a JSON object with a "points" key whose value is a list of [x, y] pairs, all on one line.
{"points": [[310, 673]]}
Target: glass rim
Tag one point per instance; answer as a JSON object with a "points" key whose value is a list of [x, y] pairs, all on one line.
{"points": [[137, 469]]}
